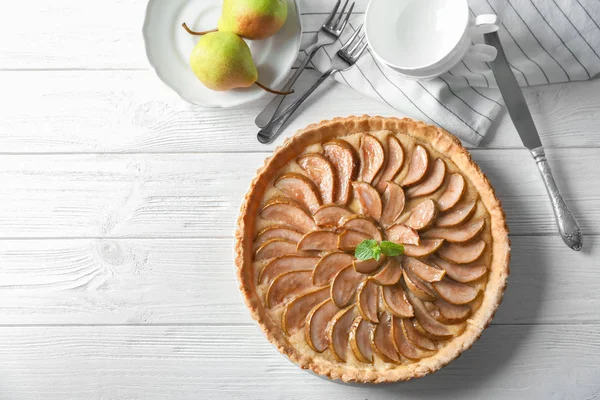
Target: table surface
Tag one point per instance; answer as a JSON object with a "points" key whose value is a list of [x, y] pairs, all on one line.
{"points": [[118, 202]]}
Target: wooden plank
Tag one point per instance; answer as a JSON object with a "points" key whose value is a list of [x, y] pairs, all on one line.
{"points": [[232, 362], [172, 281], [188, 195]]}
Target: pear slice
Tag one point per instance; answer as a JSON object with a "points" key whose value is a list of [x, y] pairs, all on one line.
{"points": [[343, 157], [321, 171], [381, 340], [364, 225], [296, 311], [318, 240], [459, 234], [274, 248], [452, 313], [401, 343], [423, 215], [415, 337], [285, 264], [390, 274], [421, 289], [315, 329], [393, 203], [461, 273], [462, 254], [331, 215], [457, 216], [277, 231], [430, 325], [372, 157], [432, 183], [368, 266], [419, 163], [395, 159], [286, 286], [360, 340], [369, 199], [338, 332], [454, 292], [301, 189], [422, 270], [453, 193], [427, 247], [395, 301], [288, 212], [329, 265], [344, 285], [349, 239], [367, 298], [403, 234]]}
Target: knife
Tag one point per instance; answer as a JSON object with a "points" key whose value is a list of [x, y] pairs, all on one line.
{"points": [[519, 113]]}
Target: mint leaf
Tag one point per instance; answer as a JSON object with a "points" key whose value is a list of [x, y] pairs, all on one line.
{"points": [[367, 249], [391, 249], [377, 253]]}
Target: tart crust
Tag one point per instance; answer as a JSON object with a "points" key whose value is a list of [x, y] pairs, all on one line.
{"points": [[440, 141]]}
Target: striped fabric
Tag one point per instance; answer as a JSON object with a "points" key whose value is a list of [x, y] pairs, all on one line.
{"points": [[545, 41]]}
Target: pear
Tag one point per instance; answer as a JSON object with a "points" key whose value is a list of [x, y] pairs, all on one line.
{"points": [[222, 61]]}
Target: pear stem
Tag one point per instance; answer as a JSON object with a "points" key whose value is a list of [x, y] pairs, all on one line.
{"points": [[263, 87], [191, 32]]}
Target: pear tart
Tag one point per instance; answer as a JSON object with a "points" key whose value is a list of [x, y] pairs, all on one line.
{"points": [[340, 182]]}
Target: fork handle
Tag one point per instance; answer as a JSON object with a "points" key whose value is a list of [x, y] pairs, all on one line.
{"points": [[273, 128]]}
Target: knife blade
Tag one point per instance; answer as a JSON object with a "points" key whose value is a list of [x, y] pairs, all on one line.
{"points": [[521, 116]]}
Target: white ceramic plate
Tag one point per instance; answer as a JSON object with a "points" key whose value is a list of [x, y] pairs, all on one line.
{"points": [[168, 47]]}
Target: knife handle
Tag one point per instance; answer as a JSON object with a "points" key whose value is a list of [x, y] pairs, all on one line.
{"points": [[567, 224]]}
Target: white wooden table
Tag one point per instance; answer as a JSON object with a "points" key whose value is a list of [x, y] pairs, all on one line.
{"points": [[118, 203]]}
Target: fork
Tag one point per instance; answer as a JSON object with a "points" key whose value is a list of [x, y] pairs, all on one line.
{"points": [[344, 59], [329, 32]]}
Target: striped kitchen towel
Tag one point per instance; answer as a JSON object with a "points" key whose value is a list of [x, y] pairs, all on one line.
{"points": [[545, 41]]}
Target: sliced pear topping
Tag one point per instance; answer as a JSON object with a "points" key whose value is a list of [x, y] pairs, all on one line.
{"points": [[401, 343], [453, 193], [423, 215], [338, 332], [331, 215], [286, 286], [461, 273], [367, 298], [318, 240], [427, 322], [422, 270], [371, 157], [381, 340], [455, 292], [415, 337], [285, 264], [395, 301], [349, 239], [343, 157], [432, 183], [344, 285], [457, 216], [369, 199], [393, 204], [390, 274], [277, 231], [427, 247], [321, 171], [462, 254], [459, 234], [360, 340], [301, 189], [364, 225], [286, 211], [395, 159], [274, 248], [417, 168], [296, 311], [368, 266], [421, 289], [452, 313], [315, 330], [403, 234], [329, 266]]}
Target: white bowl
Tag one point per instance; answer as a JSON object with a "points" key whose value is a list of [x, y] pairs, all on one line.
{"points": [[168, 47]]}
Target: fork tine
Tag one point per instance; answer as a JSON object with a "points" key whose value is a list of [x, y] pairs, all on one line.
{"points": [[358, 43], [358, 53], [333, 12], [343, 26], [339, 18], [351, 40]]}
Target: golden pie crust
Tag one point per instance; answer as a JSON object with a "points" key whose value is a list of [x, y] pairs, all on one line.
{"points": [[440, 148]]}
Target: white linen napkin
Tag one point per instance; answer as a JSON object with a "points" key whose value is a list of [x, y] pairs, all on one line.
{"points": [[545, 41]]}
